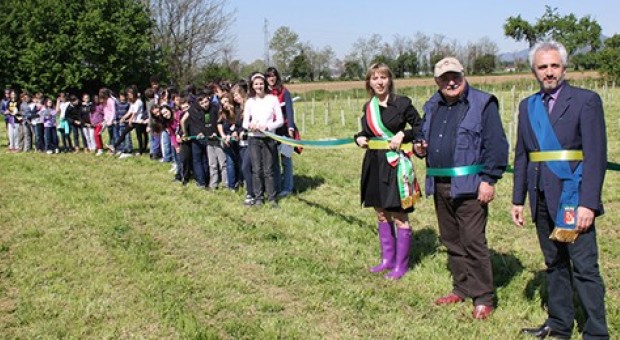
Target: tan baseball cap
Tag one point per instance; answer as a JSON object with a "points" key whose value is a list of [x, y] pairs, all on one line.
{"points": [[448, 64]]}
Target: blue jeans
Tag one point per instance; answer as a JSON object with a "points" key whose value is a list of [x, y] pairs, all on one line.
{"points": [[51, 138], [155, 145], [199, 162], [232, 165], [246, 169], [127, 144], [39, 142], [167, 151], [284, 174], [115, 130]]}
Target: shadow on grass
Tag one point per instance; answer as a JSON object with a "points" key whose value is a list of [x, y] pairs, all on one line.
{"points": [[505, 268], [538, 284], [424, 243], [304, 183], [348, 218]]}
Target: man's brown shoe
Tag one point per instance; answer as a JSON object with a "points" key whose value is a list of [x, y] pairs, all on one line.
{"points": [[449, 299], [482, 312]]}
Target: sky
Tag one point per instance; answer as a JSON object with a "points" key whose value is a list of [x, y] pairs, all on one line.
{"points": [[340, 23]]}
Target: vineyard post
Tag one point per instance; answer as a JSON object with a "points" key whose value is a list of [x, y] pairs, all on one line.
{"points": [[326, 112], [312, 112]]}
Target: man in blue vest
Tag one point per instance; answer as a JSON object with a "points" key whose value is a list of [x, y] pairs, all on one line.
{"points": [[560, 162], [466, 154]]}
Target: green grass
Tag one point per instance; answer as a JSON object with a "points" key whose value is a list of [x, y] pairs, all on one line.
{"points": [[95, 247]]}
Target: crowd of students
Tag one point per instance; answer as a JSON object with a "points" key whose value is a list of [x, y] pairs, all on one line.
{"points": [[213, 135]]}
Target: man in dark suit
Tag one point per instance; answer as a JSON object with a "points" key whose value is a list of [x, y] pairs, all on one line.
{"points": [[576, 117]]}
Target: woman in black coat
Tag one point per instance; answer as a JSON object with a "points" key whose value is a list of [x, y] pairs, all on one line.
{"points": [[388, 181]]}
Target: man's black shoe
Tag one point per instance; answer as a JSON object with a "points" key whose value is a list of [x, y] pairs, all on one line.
{"points": [[543, 332]]}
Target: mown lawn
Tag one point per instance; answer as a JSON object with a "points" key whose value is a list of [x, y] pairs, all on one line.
{"points": [[96, 247]]}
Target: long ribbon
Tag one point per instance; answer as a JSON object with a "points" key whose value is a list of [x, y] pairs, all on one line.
{"points": [[560, 155], [454, 172], [382, 144], [313, 144]]}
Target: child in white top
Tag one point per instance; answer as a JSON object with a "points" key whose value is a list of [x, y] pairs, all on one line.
{"points": [[262, 112]]}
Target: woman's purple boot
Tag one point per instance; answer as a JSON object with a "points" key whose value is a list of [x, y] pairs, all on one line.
{"points": [[403, 242], [388, 248]]}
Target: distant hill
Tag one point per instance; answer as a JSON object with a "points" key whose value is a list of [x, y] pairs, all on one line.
{"points": [[510, 57]]}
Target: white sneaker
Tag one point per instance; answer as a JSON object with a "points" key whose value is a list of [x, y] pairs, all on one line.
{"points": [[99, 152], [49, 152], [57, 151], [124, 155], [173, 169]]}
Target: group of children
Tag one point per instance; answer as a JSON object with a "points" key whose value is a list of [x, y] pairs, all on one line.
{"points": [[213, 135]]}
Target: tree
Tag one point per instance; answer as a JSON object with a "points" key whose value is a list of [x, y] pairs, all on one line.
{"points": [[585, 61], [352, 70], [406, 64], [473, 51], [300, 67], [324, 60], [572, 32], [385, 59], [214, 71], [190, 33], [365, 50], [285, 44], [77, 45], [257, 65], [484, 64], [421, 44], [320, 60], [609, 59]]}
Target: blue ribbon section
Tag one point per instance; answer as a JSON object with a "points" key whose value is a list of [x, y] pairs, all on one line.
{"points": [[569, 200]]}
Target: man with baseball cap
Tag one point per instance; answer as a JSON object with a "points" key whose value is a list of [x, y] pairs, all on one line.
{"points": [[466, 153]]}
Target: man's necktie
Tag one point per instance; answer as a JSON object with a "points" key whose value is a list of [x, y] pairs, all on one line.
{"points": [[546, 100]]}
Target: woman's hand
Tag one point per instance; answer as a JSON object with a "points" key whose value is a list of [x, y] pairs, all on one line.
{"points": [[397, 140], [362, 142]]}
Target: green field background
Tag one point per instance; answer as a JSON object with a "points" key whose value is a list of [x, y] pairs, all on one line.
{"points": [[97, 247]]}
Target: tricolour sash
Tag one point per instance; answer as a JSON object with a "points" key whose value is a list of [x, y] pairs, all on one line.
{"points": [[408, 187], [566, 218]]}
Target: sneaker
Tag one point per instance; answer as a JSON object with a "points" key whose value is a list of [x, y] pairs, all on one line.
{"points": [[258, 202], [249, 201], [138, 154], [110, 147], [57, 151], [99, 152], [124, 155], [173, 168]]}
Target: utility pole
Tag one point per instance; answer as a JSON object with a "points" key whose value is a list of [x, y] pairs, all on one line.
{"points": [[266, 34]]}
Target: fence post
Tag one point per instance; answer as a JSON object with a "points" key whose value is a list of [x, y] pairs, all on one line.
{"points": [[312, 112], [326, 112]]}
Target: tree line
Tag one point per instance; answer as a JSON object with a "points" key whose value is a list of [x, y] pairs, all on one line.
{"points": [[62, 45]]}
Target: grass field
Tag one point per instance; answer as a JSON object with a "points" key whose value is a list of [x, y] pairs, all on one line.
{"points": [[96, 247]]}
